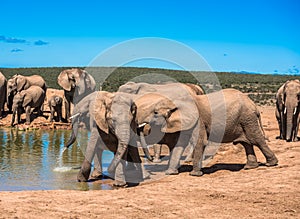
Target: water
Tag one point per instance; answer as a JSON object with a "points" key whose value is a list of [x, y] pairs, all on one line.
{"points": [[34, 160]]}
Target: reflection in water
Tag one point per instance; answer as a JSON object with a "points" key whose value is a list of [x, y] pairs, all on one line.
{"points": [[28, 160]]}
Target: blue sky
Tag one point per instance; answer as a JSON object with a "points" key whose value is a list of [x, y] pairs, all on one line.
{"points": [[256, 36]]}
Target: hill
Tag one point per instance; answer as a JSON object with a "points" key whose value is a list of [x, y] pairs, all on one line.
{"points": [[261, 88]]}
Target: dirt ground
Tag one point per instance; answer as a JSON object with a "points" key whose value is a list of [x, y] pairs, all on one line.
{"points": [[224, 191]]}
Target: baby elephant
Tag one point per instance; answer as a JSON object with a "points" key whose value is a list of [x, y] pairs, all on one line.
{"points": [[55, 105], [33, 97]]}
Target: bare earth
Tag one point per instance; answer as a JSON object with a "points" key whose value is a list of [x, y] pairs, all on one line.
{"points": [[225, 191]]}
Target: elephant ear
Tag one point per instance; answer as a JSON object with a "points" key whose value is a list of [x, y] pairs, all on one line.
{"points": [[63, 80], [183, 115], [21, 82], [26, 100], [102, 104]]}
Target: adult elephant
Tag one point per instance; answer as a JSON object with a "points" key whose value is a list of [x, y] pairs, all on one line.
{"points": [[3, 83], [223, 117], [77, 84], [171, 89], [170, 121], [174, 89], [111, 118], [31, 98], [19, 82], [287, 110]]}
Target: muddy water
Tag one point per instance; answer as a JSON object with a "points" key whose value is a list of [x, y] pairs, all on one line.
{"points": [[33, 160]]}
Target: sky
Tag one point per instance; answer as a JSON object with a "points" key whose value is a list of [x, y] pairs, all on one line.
{"points": [[261, 36]]}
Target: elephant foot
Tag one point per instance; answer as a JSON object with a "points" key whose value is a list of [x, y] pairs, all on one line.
{"points": [[82, 177], [156, 160], [171, 172], [250, 166], [96, 174], [146, 174], [196, 173], [272, 162], [118, 183], [279, 137]]}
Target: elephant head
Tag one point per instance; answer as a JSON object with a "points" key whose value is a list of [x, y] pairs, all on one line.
{"points": [[76, 78], [168, 115], [116, 113], [291, 108]]}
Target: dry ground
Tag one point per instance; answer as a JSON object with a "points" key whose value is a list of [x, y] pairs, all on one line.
{"points": [[225, 191]]}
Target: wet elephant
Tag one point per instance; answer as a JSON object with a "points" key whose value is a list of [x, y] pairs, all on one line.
{"points": [[111, 118]]}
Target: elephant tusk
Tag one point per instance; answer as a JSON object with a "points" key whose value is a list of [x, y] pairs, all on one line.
{"points": [[74, 116], [295, 110], [284, 110], [142, 125]]}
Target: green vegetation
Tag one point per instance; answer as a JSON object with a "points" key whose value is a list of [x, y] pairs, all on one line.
{"points": [[261, 88]]}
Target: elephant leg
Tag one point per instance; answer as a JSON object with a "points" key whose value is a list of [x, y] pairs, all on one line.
{"points": [[85, 170], [97, 172], [256, 137], [51, 114], [189, 157], [251, 157], [119, 174], [157, 152], [134, 170], [198, 151], [28, 112], [174, 161]]}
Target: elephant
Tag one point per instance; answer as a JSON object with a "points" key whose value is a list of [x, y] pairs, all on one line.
{"points": [[172, 89], [19, 82], [3, 83], [33, 97], [287, 110], [168, 120], [77, 84], [55, 105], [111, 118], [223, 117]]}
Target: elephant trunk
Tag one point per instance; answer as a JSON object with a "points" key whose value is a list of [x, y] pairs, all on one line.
{"points": [[73, 135], [13, 116], [290, 120], [123, 133]]}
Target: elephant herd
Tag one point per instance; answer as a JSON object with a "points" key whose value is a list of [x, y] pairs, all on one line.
{"points": [[175, 114]]}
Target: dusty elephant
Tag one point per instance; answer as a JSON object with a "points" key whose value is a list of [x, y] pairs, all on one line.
{"points": [[33, 97], [111, 120], [77, 84], [19, 82], [170, 121], [230, 116], [3, 83], [55, 106], [171, 89], [224, 116], [287, 110]]}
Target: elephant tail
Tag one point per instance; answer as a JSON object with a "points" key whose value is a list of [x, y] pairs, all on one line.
{"points": [[260, 124]]}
